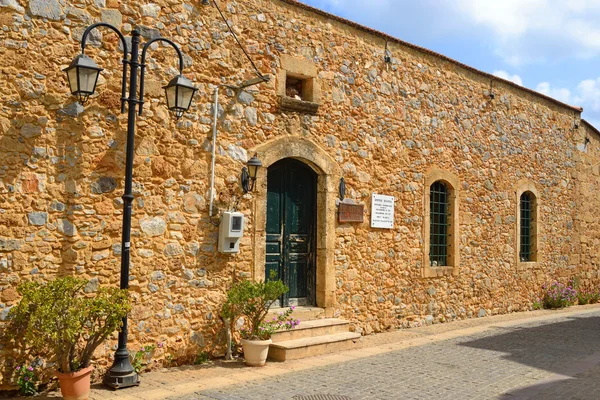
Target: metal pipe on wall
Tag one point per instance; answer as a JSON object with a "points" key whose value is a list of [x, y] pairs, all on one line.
{"points": [[214, 146], [236, 89]]}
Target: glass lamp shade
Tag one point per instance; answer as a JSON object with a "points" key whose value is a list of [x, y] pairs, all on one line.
{"points": [[82, 75], [253, 165], [180, 92]]}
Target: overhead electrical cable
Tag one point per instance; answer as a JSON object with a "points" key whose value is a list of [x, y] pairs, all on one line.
{"points": [[238, 41]]}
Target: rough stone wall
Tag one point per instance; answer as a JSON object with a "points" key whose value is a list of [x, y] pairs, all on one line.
{"points": [[443, 118], [386, 125], [587, 223]]}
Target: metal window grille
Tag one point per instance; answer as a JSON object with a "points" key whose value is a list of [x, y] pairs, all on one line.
{"points": [[438, 224], [525, 253]]}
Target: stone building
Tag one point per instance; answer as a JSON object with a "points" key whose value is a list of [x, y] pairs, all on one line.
{"points": [[493, 184]]}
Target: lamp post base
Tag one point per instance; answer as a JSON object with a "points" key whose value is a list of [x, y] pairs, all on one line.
{"points": [[120, 380], [121, 374]]}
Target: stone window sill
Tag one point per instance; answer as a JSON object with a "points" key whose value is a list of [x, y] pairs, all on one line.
{"points": [[290, 104], [522, 266], [437, 272]]}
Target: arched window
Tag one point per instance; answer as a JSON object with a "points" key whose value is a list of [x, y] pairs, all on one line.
{"points": [[439, 223], [527, 231]]}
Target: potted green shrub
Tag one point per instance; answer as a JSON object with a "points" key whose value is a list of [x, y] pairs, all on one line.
{"points": [[58, 321], [252, 300]]}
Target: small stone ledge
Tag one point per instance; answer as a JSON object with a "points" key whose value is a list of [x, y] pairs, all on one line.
{"points": [[437, 272], [290, 104], [524, 266]]}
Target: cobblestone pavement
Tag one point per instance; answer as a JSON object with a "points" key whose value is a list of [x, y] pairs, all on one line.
{"points": [[557, 358]]}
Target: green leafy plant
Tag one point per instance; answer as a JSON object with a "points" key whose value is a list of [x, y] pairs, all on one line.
{"points": [[588, 296], [253, 300], [202, 358], [170, 359], [26, 379], [139, 359], [57, 320], [538, 304], [281, 321]]}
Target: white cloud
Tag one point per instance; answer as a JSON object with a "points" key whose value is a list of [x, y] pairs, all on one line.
{"points": [[506, 17], [560, 94], [527, 31], [588, 94], [505, 75]]}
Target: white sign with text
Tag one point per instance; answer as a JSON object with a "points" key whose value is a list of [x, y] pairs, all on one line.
{"points": [[382, 211]]}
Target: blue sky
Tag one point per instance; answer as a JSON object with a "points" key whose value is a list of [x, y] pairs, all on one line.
{"points": [[552, 46]]}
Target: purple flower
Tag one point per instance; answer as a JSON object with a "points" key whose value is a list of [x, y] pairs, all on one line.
{"points": [[159, 345], [293, 308], [30, 369]]}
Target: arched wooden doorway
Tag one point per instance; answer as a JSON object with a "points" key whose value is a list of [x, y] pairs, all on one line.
{"points": [[328, 175], [291, 230]]}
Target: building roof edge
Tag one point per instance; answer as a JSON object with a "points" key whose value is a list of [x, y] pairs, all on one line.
{"points": [[592, 127], [427, 51]]}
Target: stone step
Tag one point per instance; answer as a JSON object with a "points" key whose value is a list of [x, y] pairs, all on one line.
{"points": [[317, 327], [301, 313], [313, 346]]}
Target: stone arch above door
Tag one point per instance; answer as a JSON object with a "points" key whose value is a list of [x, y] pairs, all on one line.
{"points": [[328, 175], [299, 148]]}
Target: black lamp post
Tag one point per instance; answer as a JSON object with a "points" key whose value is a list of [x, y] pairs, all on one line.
{"points": [[83, 76]]}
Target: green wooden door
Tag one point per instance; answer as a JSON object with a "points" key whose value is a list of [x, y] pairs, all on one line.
{"points": [[291, 221]]}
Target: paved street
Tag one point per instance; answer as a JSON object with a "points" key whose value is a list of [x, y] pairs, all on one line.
{"points": [[544, 354], [555, 358]]}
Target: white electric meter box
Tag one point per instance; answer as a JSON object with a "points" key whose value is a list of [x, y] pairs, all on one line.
{"points": [[231, 231]]}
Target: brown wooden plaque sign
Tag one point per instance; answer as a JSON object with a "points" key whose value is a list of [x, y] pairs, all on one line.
{"points": [[351, 212]]}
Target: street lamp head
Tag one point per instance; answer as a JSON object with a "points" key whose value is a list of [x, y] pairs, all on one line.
{"points": [[83, 75], [249, 173], [180, 92], [253, 165]]}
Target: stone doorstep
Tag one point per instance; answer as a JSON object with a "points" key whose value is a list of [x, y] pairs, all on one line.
{"points": [[313, 346], [301, 313], [317, 327]]}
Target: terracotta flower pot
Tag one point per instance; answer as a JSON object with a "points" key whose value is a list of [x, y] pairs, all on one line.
{"points": [[75, 385], [256, 351]]}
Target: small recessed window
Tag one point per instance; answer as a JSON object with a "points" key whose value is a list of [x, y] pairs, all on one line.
{"points": [[298, 85], [294, 88]]}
